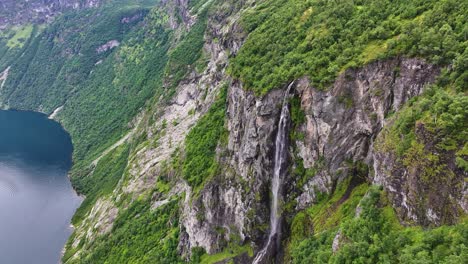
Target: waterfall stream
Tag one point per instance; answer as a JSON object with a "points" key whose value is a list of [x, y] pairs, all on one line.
{"points": [[281, 150]]}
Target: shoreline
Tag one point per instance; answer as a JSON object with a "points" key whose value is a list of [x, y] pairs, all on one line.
{"points": [[79, 196]]}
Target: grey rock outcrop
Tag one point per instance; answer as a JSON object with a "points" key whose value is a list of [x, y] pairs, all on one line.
{"points": [[343, 122], [428, 200], [236, 201]]}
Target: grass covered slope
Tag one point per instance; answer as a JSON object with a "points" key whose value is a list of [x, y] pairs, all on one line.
{"points": [[318, 38]]}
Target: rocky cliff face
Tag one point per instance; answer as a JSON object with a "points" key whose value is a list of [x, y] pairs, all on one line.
{"points": [[339, 133], [167, 128], [341, 126], [431, 189], [342, 123], [338, 140], [14, 12], [237, 200]]}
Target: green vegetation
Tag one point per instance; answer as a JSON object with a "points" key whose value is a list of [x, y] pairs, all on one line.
{"points": [[297, 115], [443, 114], [101, 180], [301, 174], [187, 52], [115, 89], [140, 235], [126, 78], [320, 39], [376, 237], [201, 142], [102, 90], [329, 212], [14, 41], [225, 255], [21, 35]]}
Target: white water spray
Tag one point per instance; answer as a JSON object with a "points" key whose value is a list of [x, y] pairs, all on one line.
{"points": [[280, 159]]}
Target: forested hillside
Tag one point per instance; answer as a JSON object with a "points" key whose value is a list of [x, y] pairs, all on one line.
{"points": [[176, 110]]}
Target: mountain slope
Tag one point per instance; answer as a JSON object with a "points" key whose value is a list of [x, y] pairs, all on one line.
{"points": [[374, 167]]}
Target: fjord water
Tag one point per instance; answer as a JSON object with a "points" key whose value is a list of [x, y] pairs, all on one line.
{"points": [[36, 197]]}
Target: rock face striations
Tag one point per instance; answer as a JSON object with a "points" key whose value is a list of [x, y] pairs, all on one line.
{"points": [[341, 127]]}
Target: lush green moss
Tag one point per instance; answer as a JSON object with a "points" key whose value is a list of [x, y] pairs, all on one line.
{"points": [[301, 227]]}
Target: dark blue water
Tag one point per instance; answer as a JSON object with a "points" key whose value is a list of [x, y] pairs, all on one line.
{"points": [[36, 198]]}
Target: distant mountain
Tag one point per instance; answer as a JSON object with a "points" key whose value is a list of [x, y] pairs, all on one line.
{"points": [[14, 12]]}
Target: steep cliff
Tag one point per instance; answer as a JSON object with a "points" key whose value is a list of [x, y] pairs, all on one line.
{"points": [[272, 131], [342, 123]]}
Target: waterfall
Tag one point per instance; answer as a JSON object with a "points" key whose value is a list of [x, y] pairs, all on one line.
{"points": [[281, 150]]}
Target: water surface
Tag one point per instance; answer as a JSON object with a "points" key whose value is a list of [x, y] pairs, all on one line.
{"points": [[36, 197]]}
